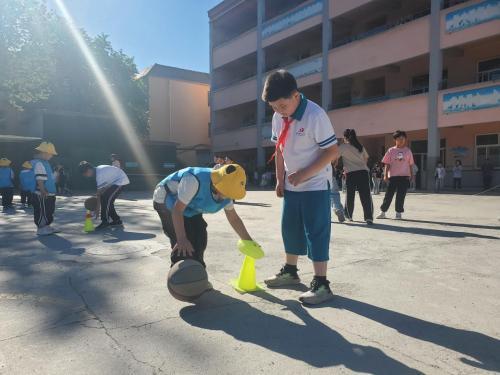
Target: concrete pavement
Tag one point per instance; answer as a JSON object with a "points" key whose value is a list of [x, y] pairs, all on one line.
{"points": [[414, 296]]}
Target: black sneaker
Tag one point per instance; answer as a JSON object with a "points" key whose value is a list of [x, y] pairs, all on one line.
{"points": [[117, 223], [369, 222], [282, 278], [320, 292], [102, 226]]}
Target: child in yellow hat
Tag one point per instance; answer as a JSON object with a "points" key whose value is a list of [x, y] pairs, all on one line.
{"points": [[6, 184], [183, 197], [44, 197], [28, 184]]}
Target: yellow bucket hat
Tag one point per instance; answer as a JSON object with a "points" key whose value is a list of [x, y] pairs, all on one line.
{"points": [[27, 165], [230, 181], [47, 147], [4, 162]]}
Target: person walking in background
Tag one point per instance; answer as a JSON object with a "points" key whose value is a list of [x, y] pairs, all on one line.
{"points": [[413, 182], [6, 184], [218, 162], [355, 157], [55, 174], [457, 175], [335, 202], [439, 176], [27, 180], [61, 180], [487, 169], [377, 173], [116, 161], [228, 160], [398, 172]]}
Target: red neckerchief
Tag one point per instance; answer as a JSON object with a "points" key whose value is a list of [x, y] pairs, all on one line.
{"points": [[280, 145]]}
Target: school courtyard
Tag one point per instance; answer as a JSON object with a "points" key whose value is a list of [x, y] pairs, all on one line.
{"points": [[413, 296]]}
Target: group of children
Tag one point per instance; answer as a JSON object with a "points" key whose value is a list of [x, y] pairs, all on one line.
{"points": [[26, 179], [306, 146], [38, 188]]}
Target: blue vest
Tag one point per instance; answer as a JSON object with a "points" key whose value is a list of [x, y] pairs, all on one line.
{"points": [[6, 177], [27, 178], [50, 183], [203, 202]]}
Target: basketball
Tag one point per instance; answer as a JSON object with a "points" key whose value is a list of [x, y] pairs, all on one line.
{"points": [[187, 280], [91, 204]]}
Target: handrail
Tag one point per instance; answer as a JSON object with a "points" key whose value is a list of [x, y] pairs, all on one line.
{"points": [[226, 42], [381, 29], [292, 65]]}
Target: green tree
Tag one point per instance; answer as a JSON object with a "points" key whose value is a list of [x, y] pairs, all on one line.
{"points": [[27, 42], [45, 66]]}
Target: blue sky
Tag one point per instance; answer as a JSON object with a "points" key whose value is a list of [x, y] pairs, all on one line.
{"points": [[169, 32]]}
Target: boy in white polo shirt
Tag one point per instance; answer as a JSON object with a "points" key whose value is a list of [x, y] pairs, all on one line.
{"points": [[110, 181], [305, 147]]}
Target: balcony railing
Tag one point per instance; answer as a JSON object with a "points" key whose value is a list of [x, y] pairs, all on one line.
{"points": [[488, 75], [443, 85], [382, 28], [376, 99], [299, 69], [291, 18], [451, 3]]}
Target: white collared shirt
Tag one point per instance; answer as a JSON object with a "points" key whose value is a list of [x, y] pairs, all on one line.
{"points": [[306, 138]]}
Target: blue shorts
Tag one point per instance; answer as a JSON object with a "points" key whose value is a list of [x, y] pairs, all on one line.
{"points": [[306, 224]]}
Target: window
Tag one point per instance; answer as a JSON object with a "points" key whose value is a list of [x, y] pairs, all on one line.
{"points": [[488, 70], [419, 84], [374, 88], [488, 147], [376, 23], [420, 147]]}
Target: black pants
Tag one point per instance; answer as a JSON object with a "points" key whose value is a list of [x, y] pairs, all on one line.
{"points": [[108, 203], [457, 183], [43, 209], [398, 185], [196, 232], [7, 195], [26, 197], [487, 182], [360, 181]]}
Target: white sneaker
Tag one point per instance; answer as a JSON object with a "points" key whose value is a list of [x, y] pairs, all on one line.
{"points": [[399, 216], [381, 215], [44, 231], [282, 278], [317, 294], [54, 230]]}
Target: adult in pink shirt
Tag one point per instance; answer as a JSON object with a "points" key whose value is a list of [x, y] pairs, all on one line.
{"points": [[398, 170]]}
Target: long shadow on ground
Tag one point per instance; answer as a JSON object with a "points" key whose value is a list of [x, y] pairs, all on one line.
{"points": [[312, 342], [426, 231], [484, 349]]}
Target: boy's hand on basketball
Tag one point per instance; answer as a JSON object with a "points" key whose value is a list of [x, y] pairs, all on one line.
{"points": [[295, 178], [280, 189], [183, 247]]}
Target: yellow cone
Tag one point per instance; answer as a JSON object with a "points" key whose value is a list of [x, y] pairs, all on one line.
{"points": [[247, 281], [89, 225]]}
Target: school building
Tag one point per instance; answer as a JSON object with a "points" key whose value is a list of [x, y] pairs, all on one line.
{"points": [[179, 112], [373, 65], [80, 136]]}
